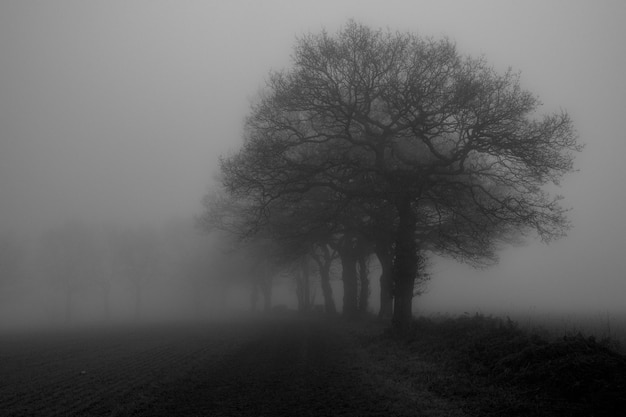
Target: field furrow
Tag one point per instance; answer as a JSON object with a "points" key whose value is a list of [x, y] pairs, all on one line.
{"points": [[100, 373]]}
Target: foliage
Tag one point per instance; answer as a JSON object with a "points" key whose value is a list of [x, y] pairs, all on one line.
{"points": [[494, 367]]}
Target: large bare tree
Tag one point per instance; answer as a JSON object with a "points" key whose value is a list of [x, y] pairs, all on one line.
{"points": [[454, 149]]}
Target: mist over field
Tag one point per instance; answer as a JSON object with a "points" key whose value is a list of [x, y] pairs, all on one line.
{"points": [[278, 207], [113, 117]]}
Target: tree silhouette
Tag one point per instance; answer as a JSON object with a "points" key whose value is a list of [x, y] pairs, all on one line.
{"points": [[453, 151], [71, 260]]}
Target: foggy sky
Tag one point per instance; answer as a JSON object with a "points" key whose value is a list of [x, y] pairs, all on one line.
{"points": [[117, 110]]}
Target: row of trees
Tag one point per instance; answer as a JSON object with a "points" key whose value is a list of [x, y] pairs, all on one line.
{"points": [[12, 261], [75, 257], [387, 143], [77, 261]]}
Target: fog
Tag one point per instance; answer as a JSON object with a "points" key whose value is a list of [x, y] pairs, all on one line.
{"points": [[113, 116]]}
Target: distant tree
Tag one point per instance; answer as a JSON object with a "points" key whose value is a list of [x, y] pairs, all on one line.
{"points": [[349, 248], [454, 148], [382, 235], [192, 262], [259, 259], [276, 240], [71, 260], [12, 256], [107, 272], [305, 293], [14, 267], [246, 252], [136, 253], [323, 255], [313, 220], [364, 282]]}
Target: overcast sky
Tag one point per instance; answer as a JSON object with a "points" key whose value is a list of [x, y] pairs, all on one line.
{"points": [[120, 110]]}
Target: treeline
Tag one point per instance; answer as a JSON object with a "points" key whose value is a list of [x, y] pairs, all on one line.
{"points": [[389, 145], [78, 271]]}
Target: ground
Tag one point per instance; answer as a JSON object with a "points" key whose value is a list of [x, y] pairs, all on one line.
{"points": [[289, 365], [271, 367]]}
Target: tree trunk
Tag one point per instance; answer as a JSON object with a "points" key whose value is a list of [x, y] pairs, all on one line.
{"points": [[266, 288], [386, 284], [106, 300], [364, 292], [138, 301], [254, 296], [324, 262], [350, 286], [303, 287], [69, 293], [405, 266], [306, 285], [327, 289], [299, 290], [198, 296]]}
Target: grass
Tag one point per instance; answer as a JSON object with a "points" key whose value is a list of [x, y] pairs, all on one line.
{"points": [[609, 328], [493, 367]]}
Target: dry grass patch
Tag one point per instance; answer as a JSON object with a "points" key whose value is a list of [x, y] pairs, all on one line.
{"points": [[491, 367]]}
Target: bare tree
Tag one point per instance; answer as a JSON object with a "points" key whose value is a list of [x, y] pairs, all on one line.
{"points": [[456, 148], [14, 269], [137, 259], [71, 260], [324, 255], [11, 259]]}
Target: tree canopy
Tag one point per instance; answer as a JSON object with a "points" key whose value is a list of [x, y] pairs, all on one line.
{"points": [[437, 150]]}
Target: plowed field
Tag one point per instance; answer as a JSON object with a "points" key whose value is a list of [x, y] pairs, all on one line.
{"points": [[279, 367], [105, 371]]}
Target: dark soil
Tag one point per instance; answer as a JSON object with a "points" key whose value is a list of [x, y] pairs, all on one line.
{"points": [[300, 368], [272, 367], [293, 366]]}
